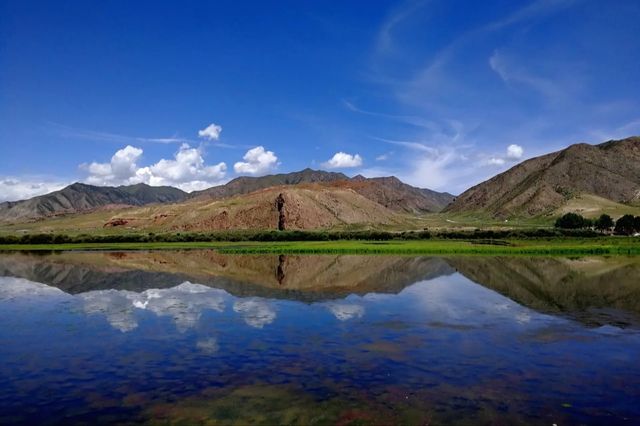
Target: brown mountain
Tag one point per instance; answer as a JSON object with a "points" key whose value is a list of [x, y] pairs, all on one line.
{"points": [[392, 193], [541, 185], [304, 206], [388, 191], [246, 184], [80, 197], [314, 199]]}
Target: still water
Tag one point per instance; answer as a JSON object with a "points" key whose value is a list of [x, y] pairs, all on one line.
{"points": [[200, 337]]}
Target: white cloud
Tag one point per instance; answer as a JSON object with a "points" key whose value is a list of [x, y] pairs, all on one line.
{"points": [[495, 161], [257, 161], [382, 157], [514, 152], [343, 160], [120, 170], [187, 170], [13, 188], [211, 132]]}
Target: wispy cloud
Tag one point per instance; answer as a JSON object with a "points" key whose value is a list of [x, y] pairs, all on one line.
{"points": [[555, 90], [629, 128], [413, 120], [99, 136], [385, 34], [534, 10], [476, 93], [430, 80], [417, 146]]}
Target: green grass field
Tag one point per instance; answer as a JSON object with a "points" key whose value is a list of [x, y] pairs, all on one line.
{"points": [[553, 246]]}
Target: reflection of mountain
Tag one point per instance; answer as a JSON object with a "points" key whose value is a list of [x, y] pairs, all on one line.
{"points": [[586, 288], [306, 278]]}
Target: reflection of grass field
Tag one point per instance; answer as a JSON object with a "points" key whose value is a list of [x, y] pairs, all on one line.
{"points": [[557, 246]]}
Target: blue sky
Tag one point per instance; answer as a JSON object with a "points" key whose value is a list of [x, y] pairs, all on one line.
{"points": [[441, 93]]}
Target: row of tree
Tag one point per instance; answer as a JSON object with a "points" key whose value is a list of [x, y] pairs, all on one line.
{"points": [[293, 235], [625, 225]]}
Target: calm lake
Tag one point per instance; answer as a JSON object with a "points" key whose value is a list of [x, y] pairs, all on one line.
{"points": [[198, 336]]}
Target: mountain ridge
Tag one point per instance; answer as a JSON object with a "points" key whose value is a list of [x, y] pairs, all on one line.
{"points": [[543, 184], [389, 191], [78, 197]]}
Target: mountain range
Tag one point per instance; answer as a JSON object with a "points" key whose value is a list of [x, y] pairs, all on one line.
{"points": [[327, 198], [582, 177], [80, 197]]}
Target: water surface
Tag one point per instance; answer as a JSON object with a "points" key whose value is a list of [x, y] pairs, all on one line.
{"points": [[195, 336]]}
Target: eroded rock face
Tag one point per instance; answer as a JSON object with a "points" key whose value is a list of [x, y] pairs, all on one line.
{"points": [[281, 215], [115, 222]]}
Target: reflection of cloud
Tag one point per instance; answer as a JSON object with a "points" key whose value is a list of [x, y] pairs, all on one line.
{"points": [[256, 312], [457, 300], [208, 346], [116, 305], [183, 303], [12, 288], [345, 311]]}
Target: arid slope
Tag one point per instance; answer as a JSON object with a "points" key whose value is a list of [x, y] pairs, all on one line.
{"points": [[80, 197], [302, 207], [542, 185]]}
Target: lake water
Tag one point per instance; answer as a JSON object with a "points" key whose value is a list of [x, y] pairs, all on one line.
{"points": [[197, 336]]}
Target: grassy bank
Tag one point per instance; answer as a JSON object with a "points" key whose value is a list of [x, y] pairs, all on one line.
{"points": [[546, 246]]}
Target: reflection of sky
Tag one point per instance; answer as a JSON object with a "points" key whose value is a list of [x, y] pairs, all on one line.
{"points": [[256, 312], [19, 288], [345, 311], [456, 300], [448, 300], [116, 305], [183, 303], [447, 336]]}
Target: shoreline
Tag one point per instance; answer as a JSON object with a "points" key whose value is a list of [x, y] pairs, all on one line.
{"points": [[546, 246]]}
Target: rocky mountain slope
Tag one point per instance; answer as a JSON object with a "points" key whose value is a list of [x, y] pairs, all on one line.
{"points": [[80, 197], [392, 193], [309, 206], [541, 185], [246, 184], [387, 191]]}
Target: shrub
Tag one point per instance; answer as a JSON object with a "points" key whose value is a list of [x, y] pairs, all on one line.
{"points": [[627, 225], [603, 223], [572, 221]]}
